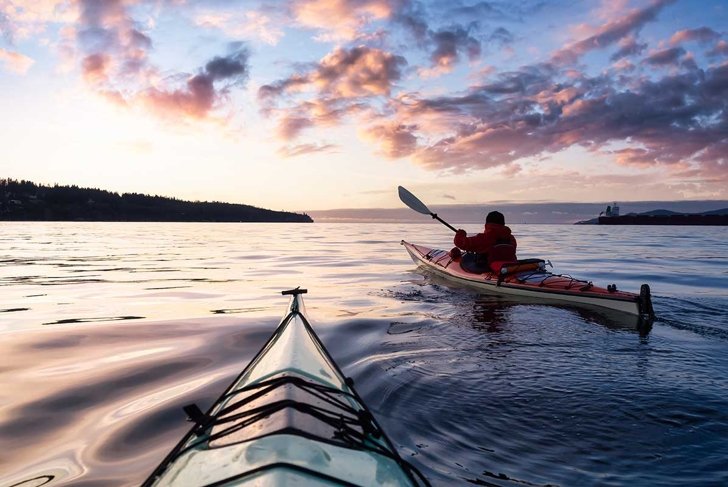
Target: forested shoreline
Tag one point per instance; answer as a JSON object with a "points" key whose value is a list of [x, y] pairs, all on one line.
{"points": [[27, 201]]}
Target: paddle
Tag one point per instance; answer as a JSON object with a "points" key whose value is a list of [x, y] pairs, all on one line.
{"points": [[413, 202]]}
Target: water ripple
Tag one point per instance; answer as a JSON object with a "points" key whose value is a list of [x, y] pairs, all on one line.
{"points": [[471, 388]]}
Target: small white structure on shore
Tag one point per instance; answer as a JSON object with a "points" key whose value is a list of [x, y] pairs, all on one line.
{"points": [[611, 210]]}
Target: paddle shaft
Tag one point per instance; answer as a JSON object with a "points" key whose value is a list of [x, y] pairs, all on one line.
{"points": [[434, 215]]}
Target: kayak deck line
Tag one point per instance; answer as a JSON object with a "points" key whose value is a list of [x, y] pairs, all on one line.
{"points": [[290, 416], [538, 283]]}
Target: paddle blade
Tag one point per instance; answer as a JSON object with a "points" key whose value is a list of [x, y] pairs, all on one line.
{"points": [[413, 202]]}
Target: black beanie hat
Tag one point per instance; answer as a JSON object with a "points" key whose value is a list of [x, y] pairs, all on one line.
{"points": [[495, 217]]}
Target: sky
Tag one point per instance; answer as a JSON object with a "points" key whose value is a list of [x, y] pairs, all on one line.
{"points": [[309, 105]]}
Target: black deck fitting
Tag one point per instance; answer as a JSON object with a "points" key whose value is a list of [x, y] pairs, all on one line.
{"points": [[294, 292]]}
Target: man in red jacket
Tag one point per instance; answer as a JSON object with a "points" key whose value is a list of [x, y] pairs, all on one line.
{"points": [[495, 246]]}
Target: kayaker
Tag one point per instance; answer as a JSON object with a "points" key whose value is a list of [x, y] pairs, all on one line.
{"points": [[490, 249]]}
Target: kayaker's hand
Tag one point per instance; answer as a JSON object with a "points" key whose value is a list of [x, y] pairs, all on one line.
{"points": [[461, 233]]}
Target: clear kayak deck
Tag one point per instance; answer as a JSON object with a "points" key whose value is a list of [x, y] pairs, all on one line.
{"points": [[290, 418]]}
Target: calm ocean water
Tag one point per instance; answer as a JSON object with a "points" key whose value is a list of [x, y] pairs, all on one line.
{"points": [[108, 329]]}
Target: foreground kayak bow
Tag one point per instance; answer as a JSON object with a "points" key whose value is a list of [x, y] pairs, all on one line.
{"points": [[536, 283], [290, 418]]}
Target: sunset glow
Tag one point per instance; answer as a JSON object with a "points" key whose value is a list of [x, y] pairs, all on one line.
{"points": [[319, 104]]}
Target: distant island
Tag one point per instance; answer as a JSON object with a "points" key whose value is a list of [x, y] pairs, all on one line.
{"points": [[611, 216], [27, 201]]}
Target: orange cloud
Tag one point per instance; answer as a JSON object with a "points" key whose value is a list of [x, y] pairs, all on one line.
{"points": [[360, 71], [342, 19]]}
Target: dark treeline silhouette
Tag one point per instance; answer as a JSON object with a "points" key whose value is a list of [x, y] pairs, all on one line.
{"points": [[25, 200]]}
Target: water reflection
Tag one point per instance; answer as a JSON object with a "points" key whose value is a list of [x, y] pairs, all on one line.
{"points": [[490, 312]]}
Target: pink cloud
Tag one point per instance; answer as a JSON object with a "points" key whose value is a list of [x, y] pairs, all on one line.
{"points": [[346, 73], [15, 62], [94, 68], [252, 24], [360, 71], [720, 49], [112, 51], [702, 34], [394, 140], [106, 31], [200, 94], [670, 122], [628, 46], [331, 89], [303, 149], [634, 157], [610, 32], [665, 57], [21, 19]]}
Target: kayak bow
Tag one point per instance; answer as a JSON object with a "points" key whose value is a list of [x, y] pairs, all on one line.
{"points": [[535, 283], [290, 418]]}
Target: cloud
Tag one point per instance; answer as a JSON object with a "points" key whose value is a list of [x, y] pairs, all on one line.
{"points": [[483, 10], [290, 126], [449, 45], [94, 68], [502, 36], [112, 50], [411, 16], [544, 108], [15, 62], [720, 49], [106, 30], [331, 89], [665, 57], [341, 19], [252, 25], [623, 65], [675, 121], [609, 33], [346, 73], [200, 93], [360, 71], [628, 46], [394, 140], [21, 19], [634, 157], [703, 35], [303, 149]]}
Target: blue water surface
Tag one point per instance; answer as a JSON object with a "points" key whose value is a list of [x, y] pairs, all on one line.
{"points": [[108, 329]]}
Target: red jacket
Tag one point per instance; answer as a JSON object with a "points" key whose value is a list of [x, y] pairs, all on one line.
{"points": [[482, 243]]}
